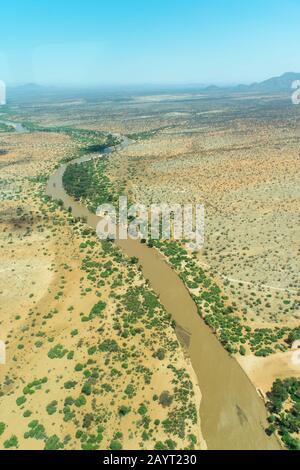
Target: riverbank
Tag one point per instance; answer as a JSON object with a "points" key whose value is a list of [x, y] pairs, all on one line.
{"points": [[102, 379], [263, 371], [233, 416]]}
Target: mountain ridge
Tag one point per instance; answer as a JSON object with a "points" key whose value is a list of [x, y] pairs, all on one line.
{"points": [[282, 83]]}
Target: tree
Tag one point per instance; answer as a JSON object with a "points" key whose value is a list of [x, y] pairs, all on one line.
{"points": [[124, 410], [165, 399], [115, 445]]}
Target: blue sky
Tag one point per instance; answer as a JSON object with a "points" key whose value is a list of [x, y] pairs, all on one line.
{"points": [[148, 41]]}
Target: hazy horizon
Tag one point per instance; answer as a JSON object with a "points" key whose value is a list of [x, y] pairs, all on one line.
{"points": [[191, 84]]}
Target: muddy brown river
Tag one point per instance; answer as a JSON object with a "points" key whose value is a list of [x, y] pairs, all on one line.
{"points": [[233, 416]]}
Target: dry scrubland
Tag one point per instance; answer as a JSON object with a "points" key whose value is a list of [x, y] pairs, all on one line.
{"points": [[92, 357], [239, 155], [246, 172], [241, 159]]}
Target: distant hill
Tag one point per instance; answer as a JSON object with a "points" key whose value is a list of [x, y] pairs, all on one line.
{"points": [[275, 84], [26, 88], [29, 86], [29, 92], [272, 85], [212, 88], [35, 92]]}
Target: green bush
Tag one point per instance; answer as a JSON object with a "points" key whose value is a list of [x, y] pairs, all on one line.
{"points": [[70, 384], [57, 352], [87, 388], [165, 399], [124, 410], [11, 442], [2, 428], [53, 443], [21, 400], [115, 445], [52, 407]]}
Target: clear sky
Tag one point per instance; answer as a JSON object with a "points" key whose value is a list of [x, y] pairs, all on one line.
{"points": [[96, 42]]}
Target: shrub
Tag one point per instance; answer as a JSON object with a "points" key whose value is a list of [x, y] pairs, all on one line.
{"points": [[124, 410], [52, 407], [160, 354], [11, 442], [278, 395], [293, 336], [92, 350], [2, 428], [36, 431], [142, 409], [171, 445], [96, 311], [87, 420], [53, 443], [57, 352], [109, 345], [80, 401], [87, 388], [165, 399], [70, 384], [159, 446], [21, 400], [33, 386], [130, 391], [115, 445]]}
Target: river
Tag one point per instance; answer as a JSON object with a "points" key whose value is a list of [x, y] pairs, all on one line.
{"points": [[19, 128], [233, 416]]}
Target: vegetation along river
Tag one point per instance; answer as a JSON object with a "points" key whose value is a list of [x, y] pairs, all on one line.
{"points": [[233, 416]]}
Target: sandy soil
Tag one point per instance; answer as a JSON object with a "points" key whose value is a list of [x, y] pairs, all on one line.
{"points": [[263, 371], [45, 292]]}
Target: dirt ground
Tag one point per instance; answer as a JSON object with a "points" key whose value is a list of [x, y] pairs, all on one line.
{"points": [[239, 155], [45, 292]]}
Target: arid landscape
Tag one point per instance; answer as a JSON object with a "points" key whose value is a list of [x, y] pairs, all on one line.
{"points": [[149, 232], [88, 344], [94, 358]]}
